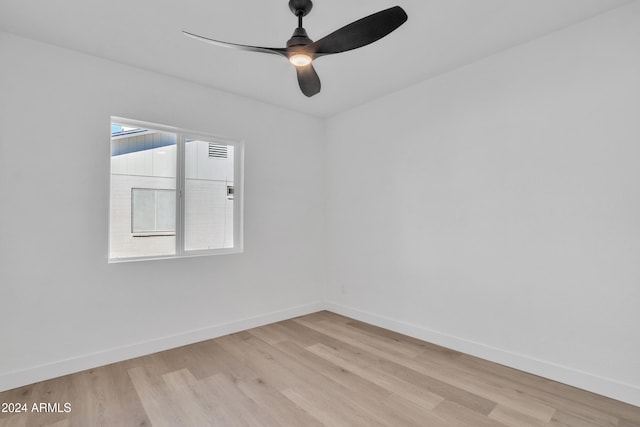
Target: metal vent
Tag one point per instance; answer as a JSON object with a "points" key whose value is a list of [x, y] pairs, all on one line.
{"points": [[217, 150]]}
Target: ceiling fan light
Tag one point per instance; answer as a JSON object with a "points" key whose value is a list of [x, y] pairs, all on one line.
{"points": [[300, 59]]}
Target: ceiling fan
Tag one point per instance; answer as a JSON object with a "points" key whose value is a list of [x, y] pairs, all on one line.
{"points": [[301, 50]]}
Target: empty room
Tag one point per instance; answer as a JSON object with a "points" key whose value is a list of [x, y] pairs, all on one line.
{"points": [[320, 213]]}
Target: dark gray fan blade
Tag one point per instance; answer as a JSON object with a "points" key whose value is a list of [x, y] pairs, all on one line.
{"points": [[308, 80], [360, 33], [273, 50]]}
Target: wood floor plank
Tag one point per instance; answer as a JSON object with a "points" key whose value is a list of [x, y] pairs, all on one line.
{"points": [[276, 405], [15, 420], [404, 340], [383, 353], [565, 419], [459, 415], [223, 361], [470, 382], [570, 400], [197, 358], [161, 407], [627, 423], [303, 335], [402, 388], [236, 396], [201, 403], [479, 367], [255, 386], [62, 423], [53, 392], [418, 414], [512, 418], [336, 373], [356, 337], [285, 373], [106, 397], [449, 392], [247, 349], [317, 370], [370, 397], [271, 334], [319, 410], [330, 408], [447, 372]]}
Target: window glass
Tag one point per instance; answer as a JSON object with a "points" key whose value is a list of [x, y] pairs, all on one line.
{"points": [[209, 170]]}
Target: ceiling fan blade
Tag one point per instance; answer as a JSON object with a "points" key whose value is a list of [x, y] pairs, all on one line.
{"points": [[273, 50], [361, 32], [308, 80]]}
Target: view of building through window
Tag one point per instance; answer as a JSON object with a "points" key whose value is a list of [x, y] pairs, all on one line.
{"points": [[208, 221], [163, 207]]}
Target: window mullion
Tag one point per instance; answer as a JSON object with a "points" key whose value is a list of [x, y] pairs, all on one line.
{"points": [[180, 205]]}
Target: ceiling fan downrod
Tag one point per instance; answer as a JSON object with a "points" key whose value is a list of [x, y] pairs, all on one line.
{"points": [[300, 8]]}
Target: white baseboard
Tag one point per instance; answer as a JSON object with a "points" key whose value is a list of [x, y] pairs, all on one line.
{"points": [[604, 386], [59, 368]]}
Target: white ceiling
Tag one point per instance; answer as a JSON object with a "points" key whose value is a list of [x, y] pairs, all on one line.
{"points": [[440, 35]]}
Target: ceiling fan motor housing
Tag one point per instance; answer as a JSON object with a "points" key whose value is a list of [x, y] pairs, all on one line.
{"points": [[299, 38], [300, 7]]}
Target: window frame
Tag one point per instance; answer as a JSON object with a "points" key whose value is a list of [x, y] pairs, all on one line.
{"points": [[182, 135]]}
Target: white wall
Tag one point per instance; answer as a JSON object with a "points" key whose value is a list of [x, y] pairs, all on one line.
{"points": [[496, 209], [62, 306]]}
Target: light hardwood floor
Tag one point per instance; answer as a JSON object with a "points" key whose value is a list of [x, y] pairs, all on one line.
{"points": [[315, 370]]}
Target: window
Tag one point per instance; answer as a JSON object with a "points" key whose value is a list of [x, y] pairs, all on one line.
{"points": [[174, 193]]}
